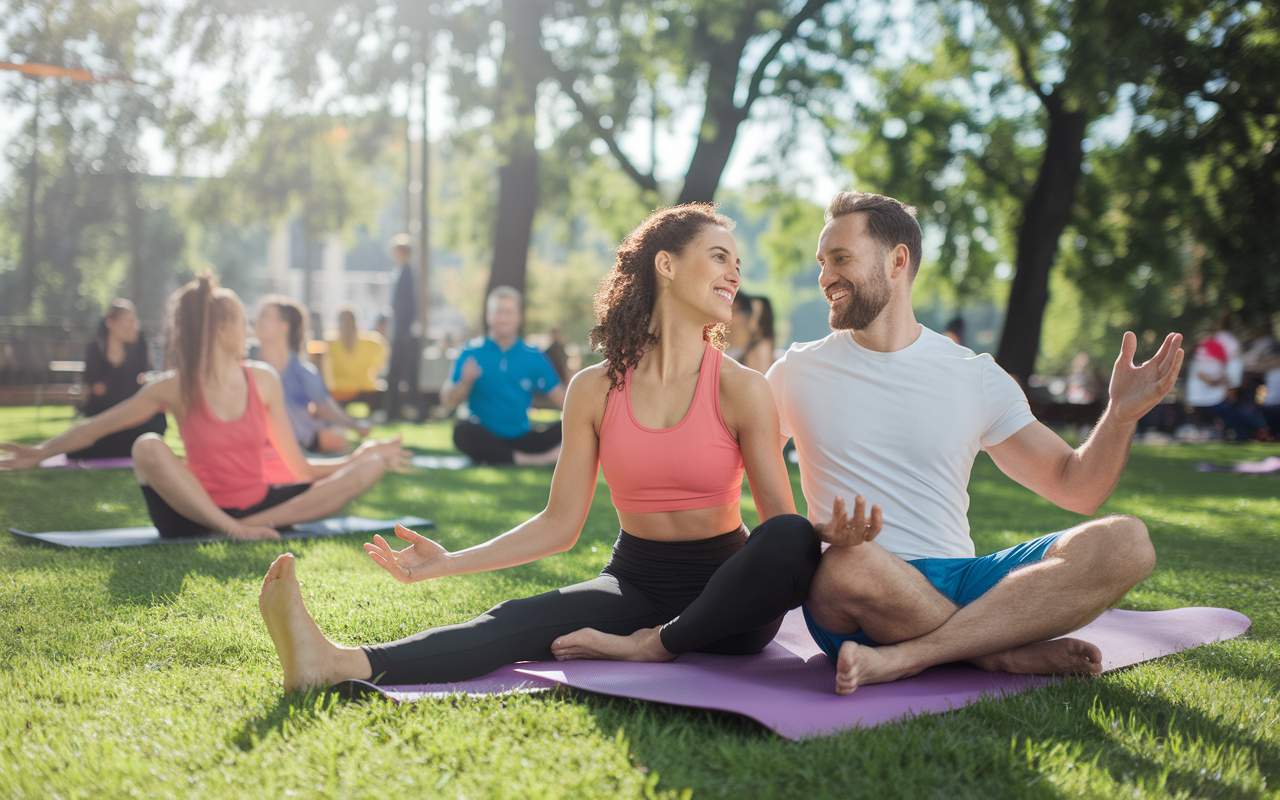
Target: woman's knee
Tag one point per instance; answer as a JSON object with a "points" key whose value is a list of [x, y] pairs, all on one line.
{"points": [[147, 448], [787, 542]]}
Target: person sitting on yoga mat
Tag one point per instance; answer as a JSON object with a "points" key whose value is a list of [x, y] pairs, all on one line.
{"points": [[227, 411], [886, 407], [673, 424], [281, 328], [496, 376], [116, 366]]}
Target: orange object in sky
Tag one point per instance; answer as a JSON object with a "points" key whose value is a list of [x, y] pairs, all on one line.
{"points": [[50, 71]]}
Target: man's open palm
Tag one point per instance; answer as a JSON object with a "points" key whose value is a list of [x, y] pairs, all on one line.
{"points": [[1136, 390]]}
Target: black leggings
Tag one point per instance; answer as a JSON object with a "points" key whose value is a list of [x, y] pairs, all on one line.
{"points": [[486, 447], [726, 594]]}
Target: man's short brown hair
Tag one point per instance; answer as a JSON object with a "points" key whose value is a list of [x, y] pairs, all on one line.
{"points": [[890, 222]]}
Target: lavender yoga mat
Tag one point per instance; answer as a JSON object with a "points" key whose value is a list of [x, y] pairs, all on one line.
{"points": [[1265, 466], [790, 686], [61, 461]]}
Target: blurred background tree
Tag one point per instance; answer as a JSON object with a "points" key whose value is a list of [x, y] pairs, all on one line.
{"points": [[1084, 166]]}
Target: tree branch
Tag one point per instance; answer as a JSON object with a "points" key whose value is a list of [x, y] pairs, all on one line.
{"points": [[1029, 74], [591, 117], [811, 8]]}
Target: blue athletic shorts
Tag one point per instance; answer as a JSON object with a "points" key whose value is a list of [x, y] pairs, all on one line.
{"points": [[961, 580]]}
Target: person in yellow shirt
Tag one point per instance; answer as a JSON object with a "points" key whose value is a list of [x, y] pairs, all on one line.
{"points": [[355, 358]]}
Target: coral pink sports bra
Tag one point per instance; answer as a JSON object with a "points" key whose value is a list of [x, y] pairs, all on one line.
{"points": [[226, 457], [695, 463]]}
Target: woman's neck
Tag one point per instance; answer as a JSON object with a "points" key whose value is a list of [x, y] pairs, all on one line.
{"points": [[680, 345], [222, 365], [274, 353], [115, 351]]}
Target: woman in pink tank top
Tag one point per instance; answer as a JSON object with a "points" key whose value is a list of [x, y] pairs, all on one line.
{"points": [[674, 425], [228, 411]]}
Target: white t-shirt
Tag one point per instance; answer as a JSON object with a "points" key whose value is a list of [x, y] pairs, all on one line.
{"points": [[1217, 358], [901, 429]]}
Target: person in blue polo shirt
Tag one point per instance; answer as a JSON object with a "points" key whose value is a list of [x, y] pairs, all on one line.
{"points": [[496, 376]]}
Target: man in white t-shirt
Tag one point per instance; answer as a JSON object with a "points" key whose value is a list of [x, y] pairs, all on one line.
{"points": [[886, 409]]}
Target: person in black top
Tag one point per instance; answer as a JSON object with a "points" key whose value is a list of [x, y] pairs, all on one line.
{"points": [[402, 373], [115, 367]]}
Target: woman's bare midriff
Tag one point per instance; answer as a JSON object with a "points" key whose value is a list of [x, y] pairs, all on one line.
{"points": [[683, 526]]}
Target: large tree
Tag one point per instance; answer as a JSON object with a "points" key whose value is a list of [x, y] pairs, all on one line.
{"points": [[615, 61]]}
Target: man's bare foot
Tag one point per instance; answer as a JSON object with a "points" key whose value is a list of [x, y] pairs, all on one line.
{"points": [[1054, 657], [307, 657], [859, 665], [643, 645], [546, 459]]}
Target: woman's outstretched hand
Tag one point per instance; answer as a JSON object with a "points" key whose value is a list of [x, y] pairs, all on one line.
{"points": [[397, 458], [848, 530], [421, 560], [21, 456]]}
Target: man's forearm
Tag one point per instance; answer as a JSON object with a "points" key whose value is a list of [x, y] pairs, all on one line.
{"points": [[1094, 469], [456, 393]]}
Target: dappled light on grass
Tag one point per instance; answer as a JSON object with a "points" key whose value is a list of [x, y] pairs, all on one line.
{"points": [[148, 670]]}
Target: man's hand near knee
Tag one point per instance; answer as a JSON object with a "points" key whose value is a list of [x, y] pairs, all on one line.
{"points": [[850, 530]]}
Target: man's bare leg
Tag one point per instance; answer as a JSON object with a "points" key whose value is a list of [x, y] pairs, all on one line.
{"points": [[643, 645], [307, 657], [326, 496], [157, 466], [1088, 570]]}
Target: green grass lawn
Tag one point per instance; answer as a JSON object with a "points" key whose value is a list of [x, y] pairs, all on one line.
{"points": [[148, 672]]}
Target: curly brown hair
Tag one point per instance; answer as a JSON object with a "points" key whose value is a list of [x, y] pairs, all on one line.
{"points": [[624, 301]]}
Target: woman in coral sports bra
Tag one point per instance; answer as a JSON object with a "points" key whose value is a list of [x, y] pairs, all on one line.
{"points": [[673, 424], [227, 411]]}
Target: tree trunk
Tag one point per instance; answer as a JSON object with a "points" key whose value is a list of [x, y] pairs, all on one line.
{"points": [[29, 237], [133, 219], [518, 175], [721, 118], [1045, 216]]}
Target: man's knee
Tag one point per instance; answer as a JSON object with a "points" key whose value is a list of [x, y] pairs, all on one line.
{"points": [[1121, 547], [848, 573], [1134, 541]]}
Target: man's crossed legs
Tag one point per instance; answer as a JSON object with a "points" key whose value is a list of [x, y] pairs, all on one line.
{"points": [[1048, 587]]}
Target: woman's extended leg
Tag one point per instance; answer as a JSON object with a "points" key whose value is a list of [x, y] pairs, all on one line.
{"points": [[325, 496], [306, 656], [157, 466], [739, 611], [517, 630]]}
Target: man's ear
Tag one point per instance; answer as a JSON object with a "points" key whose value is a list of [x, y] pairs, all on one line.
{"points": [[899, 261]]}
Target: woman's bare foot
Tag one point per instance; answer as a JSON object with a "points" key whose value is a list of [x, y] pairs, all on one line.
{"points": [[643, 645], [253, 532], [1054, 657], [307, 657]]}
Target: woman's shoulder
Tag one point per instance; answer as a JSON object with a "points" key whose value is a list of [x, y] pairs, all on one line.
{"points": [[594, 378], [736, 377]]}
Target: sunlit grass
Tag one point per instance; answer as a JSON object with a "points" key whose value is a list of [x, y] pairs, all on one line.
{"points": [[147, 671]]}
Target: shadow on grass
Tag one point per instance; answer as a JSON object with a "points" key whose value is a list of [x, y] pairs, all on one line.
{"points": [[293, 713]]}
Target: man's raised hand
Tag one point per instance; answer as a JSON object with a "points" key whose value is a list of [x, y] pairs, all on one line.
{"points": [[421, 560], [1136, 390], [848, 530]]}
